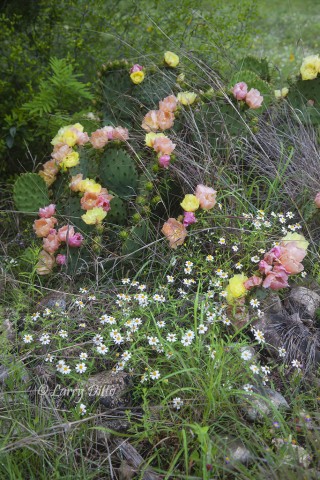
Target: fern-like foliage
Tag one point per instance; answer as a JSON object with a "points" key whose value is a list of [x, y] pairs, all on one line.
{"points": [[61, 90]]}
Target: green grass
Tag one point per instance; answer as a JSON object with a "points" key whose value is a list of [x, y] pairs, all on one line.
{"points": [[287, 32]]}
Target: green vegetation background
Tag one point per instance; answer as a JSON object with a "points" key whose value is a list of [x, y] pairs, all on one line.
{"points": [[36, 99]]}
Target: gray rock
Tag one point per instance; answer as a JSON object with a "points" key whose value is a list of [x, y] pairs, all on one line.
{"points": [[256, 407], [238, 452], [109, 388], [53, 300], [302, 301]]}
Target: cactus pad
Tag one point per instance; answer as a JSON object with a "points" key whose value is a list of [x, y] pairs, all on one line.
{"points": [[118, 172], [304, 96], [30, 193], [118, 213], [138, 237], [259, 67]]}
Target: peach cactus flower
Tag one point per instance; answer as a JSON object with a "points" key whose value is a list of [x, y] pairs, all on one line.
{"points": [[317, 200], [163, 145], [49, 172], [150, 121], [254, 99], [119, 133], [291, 256], [52, 242], [48, 211], [240, 90], [168, 104], [89, 200], [42, 226], [60, 151], [99, 138], [75, 182], [65, 232], [165, 119], [206, 196], [175, 232], [45, 263]]}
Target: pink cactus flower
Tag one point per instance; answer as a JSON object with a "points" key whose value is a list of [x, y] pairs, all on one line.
{"points": [[189, 218], [252, 282], [206, 196], [168, 104], [276, 279], [240, 90], [103, 200], [61, 259], [273, 255], [163, 145], [48, 211], [265, 267], [164, 161], [83, 138], [317, 200], [65, 232], [254, 99], [51, 243], [76, 240], [136, 68], [42, 226]]}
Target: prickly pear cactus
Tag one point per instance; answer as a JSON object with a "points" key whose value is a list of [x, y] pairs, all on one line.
{"points": [[118, 172], [121, 101], [258, 66], [30, 193], [253, 81], [116, 93], [118, 214], [304, 96], [137, 239]]}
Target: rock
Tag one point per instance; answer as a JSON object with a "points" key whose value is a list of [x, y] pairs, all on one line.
{"points": [[292, 453], [109, 388], [256, 408], [302, 301], [238, 452], [53, 300]]}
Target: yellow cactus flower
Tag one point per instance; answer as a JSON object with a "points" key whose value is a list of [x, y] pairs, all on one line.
{"points": [[190, 203], [70, 160], [236, 288], [296, 237], [68, 135], [137, 77], [89, 186], [310, 67], [150, 138], [281, 93], [186, 98], [171, 59], [94, 216]]}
